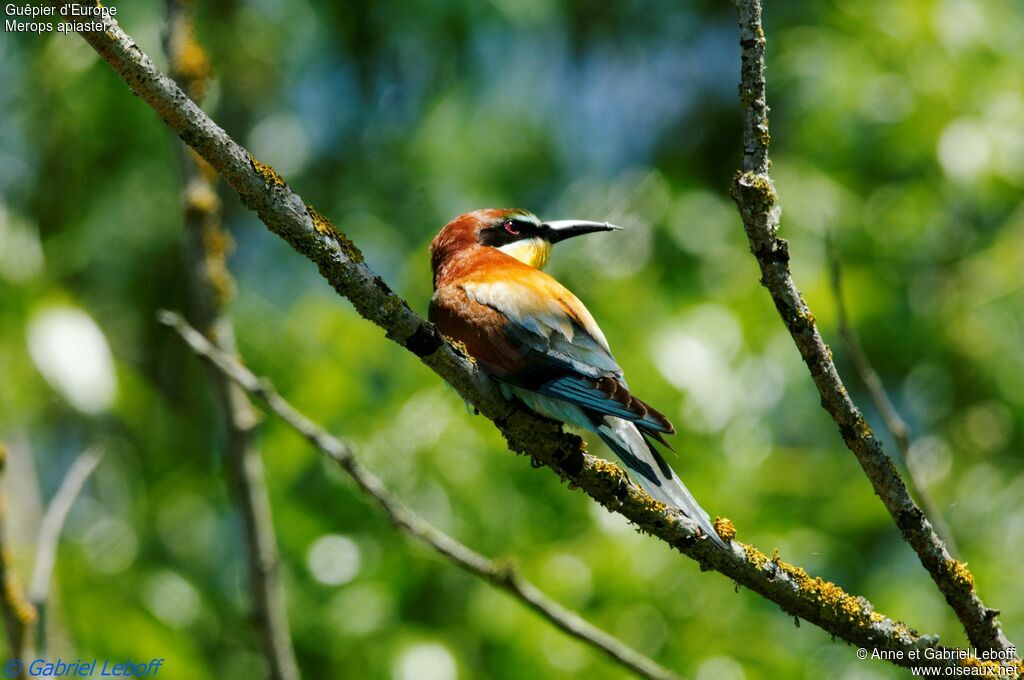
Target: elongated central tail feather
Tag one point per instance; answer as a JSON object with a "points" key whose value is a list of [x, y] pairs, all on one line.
{"points": [[623, 437], [653, 473]]}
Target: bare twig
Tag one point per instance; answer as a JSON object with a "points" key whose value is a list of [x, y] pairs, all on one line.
{"points": [[210, 289], [502, 575], [880, 398], [19, 614], [755, 196], [340, 262], [49, 534]]}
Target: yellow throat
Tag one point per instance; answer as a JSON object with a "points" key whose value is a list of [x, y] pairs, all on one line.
{"points": [[531, 251]]}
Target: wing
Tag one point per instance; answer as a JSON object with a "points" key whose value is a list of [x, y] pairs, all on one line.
{"points": [[558, 349]]}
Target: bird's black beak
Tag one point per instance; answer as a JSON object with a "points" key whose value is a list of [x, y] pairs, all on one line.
{"points": [[559, 230]]}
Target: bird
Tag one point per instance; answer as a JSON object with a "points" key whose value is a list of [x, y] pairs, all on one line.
{"points": [[535, 338]]}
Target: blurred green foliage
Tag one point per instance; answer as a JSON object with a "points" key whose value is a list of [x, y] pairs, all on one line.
{"points": [[896, 126]]}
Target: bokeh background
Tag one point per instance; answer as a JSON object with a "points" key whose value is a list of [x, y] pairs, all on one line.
{"points": [[895, 126]]}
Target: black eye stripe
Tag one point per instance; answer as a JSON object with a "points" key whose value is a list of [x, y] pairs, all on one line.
{"points": [[506, 231]]}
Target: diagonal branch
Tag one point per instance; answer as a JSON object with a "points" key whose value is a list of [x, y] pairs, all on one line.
{"points": [[341, 264], [880, 398], [755, 196], [501, 575], [210, 289], [49, 535]]}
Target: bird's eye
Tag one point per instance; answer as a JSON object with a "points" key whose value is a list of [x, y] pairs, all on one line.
{"points": [[510, 228]]}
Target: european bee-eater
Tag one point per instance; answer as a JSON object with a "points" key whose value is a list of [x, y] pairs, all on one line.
{"points": [[533, 336]]}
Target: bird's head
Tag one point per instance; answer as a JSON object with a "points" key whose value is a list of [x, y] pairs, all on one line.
{"points": [[518, 233]]}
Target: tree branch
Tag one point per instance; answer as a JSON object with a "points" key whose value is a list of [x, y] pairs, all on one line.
{"points": [[210, 290], [755, 196], [49, 535], [19, 614], [340, 262], [895, 424], [500, 574]]}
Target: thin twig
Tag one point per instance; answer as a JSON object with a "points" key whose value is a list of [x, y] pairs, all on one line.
{"points": [[49, 535], [894, 423], [502, 575], [210, 288], [755, 196], [19, 614], [260, 189]]}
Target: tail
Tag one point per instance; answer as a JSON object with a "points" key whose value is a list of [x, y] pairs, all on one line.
{"points": [[653, 473]]}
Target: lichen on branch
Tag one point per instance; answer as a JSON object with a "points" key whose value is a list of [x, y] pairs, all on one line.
{"points": [[542, 440], [759, 208]]}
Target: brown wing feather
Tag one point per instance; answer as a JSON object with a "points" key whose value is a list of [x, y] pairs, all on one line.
{"points": [[478, 328]]}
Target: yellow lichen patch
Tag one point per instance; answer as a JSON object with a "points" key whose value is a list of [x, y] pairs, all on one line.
{"points": [[192, 67], [764, 186], [651, 504], [826, 593], [755, 556], [959, 573], [14, 600], [460, 347], [760, 185], [200, 200], [607, 468], [612, 472], [861, 427], [725, 528], [325, 227], [269, 175], [876, 617], [901, 630], [832, 595], [218, 244]]}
